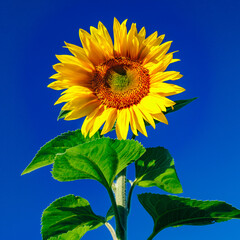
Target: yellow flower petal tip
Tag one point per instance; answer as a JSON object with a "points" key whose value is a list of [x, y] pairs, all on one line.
{"points": [[120, 82]]}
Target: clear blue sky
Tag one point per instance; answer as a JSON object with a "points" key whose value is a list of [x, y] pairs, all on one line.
{"points": [[203, 137]]}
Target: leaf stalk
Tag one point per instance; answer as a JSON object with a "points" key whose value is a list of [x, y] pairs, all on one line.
{"points": [[111, 230]]}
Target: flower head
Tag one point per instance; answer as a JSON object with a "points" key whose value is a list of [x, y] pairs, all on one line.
{"points": [[122, 82]]}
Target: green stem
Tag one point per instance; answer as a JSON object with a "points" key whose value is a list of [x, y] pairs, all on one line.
{"points": [[131, 189], [120, 194], [116, 212], [122, 205], [151, 237], [130, 196]]}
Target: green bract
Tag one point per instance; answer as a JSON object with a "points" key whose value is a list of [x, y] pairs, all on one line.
{"points": [[179, 104], [63, 114]]}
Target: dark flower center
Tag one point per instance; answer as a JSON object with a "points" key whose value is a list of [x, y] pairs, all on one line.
{"points": [[121, 82]]}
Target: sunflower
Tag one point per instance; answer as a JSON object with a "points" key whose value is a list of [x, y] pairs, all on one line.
{"points": [[121, 83]]}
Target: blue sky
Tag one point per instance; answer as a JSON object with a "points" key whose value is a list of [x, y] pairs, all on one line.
{"points": [[203, 137]]}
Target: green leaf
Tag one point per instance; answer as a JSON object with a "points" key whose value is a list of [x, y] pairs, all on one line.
{"points": [[156, 168], [69, 217], [60, 144], [75, 234], [172, 211], [63, 114], [100, 160], [179, 104], [110, 214]]}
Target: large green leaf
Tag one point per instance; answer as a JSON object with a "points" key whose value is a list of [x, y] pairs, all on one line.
{"points": [[172, 211], [47, 153], [100, 160], [69, 217], [179, 104], [156, 168]]}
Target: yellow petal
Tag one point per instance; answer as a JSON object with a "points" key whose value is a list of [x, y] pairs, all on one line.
{"points": [[122, 124], [160, 117], [123, 38], [164, 76], [147, 46], [166, 61], [88, 122], [68, 59], [166, 88], [107, 48], [76, 50], [73, 72], [147, 117], [78, 101], [99, 119], [105, 33], [56, 76], [161, 64], [116, 31], [138, 118], [111, 119], [65, 98], [177, 77], [158, 40], [77, 90], [132, 122], [157, 52], [91, 47], [120, 37], [80, 54], [133, 43], [149, 103], [83, 111], [141, 35], [161, 100], [149, 43], [150, 38], [175, 60], [60, 85]]}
